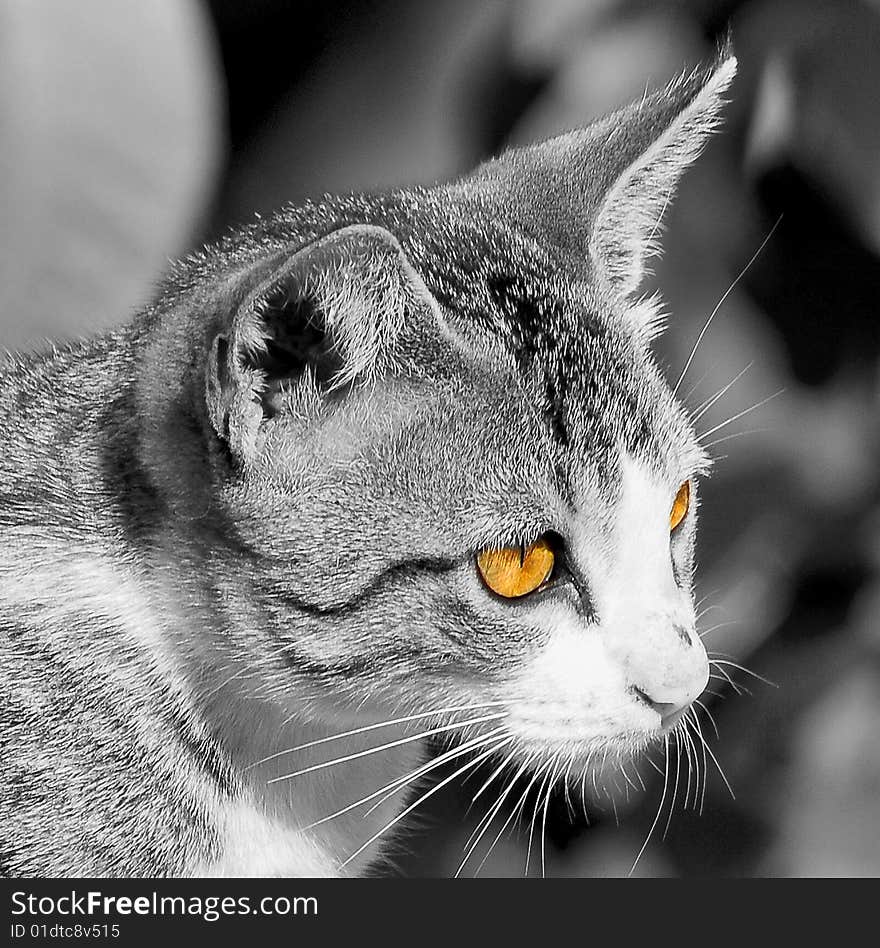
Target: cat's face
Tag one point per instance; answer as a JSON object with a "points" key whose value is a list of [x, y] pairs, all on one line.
{"points": [[459, 476]]}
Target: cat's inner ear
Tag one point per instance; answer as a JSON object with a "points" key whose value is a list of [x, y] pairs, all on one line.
{"points": [[298, 348], [324, 320]]}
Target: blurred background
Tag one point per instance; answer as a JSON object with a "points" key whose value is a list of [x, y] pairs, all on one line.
{"points": [[131, 133]]}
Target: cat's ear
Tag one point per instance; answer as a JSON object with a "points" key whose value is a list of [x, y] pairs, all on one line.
{"points": [[603, 189], [320, 321], [673, 132]]}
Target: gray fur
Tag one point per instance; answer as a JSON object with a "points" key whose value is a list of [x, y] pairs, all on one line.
{"points": [[204, 561]]}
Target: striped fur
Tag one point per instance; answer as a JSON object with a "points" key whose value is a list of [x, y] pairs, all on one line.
{"points": [[246, 521]]}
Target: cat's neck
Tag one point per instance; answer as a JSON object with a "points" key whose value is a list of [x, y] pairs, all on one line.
{"points": [[291, 819]]}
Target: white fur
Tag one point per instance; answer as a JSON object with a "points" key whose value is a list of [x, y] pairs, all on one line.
{"points": [[254, 845], [576, 693]]}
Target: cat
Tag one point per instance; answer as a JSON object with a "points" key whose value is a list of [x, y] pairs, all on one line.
{"points": [[374, 469]]}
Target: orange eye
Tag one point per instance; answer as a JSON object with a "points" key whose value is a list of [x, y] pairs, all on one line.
{"points": [[516, 571], [680, 505]]}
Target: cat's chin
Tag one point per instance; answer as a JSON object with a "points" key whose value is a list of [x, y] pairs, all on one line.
{"points": [[578, 754], [548, 730]]}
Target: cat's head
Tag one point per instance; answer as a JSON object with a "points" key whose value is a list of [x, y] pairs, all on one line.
{"points": [[441, 444]]}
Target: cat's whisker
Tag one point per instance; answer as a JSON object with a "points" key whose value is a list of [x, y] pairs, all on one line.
{"points": [[701, 410], [399, 783], [639, 775], [698, 731], [699, 793], [724, 676], [515, 811], [487, 816], [490, 780], [742, 668], [702, 772], [740, 414], [682, 750], [448, 756], [714, 758], [716, 627], [688, 745], [534, 819], [700, 760], [708, 595], [373, 727], [659, 808], [566, 776], [425, 796], [698, 383], [708, 714], [538, 770], [720, 303], [388, 746], [584, 787], [601, 767], [736, 434], [484, 825], [544, 816], [534, 757], [675, 733], [474, 839]]}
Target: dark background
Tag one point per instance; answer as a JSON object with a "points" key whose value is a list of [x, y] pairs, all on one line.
{"points": [[131, 133]]}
